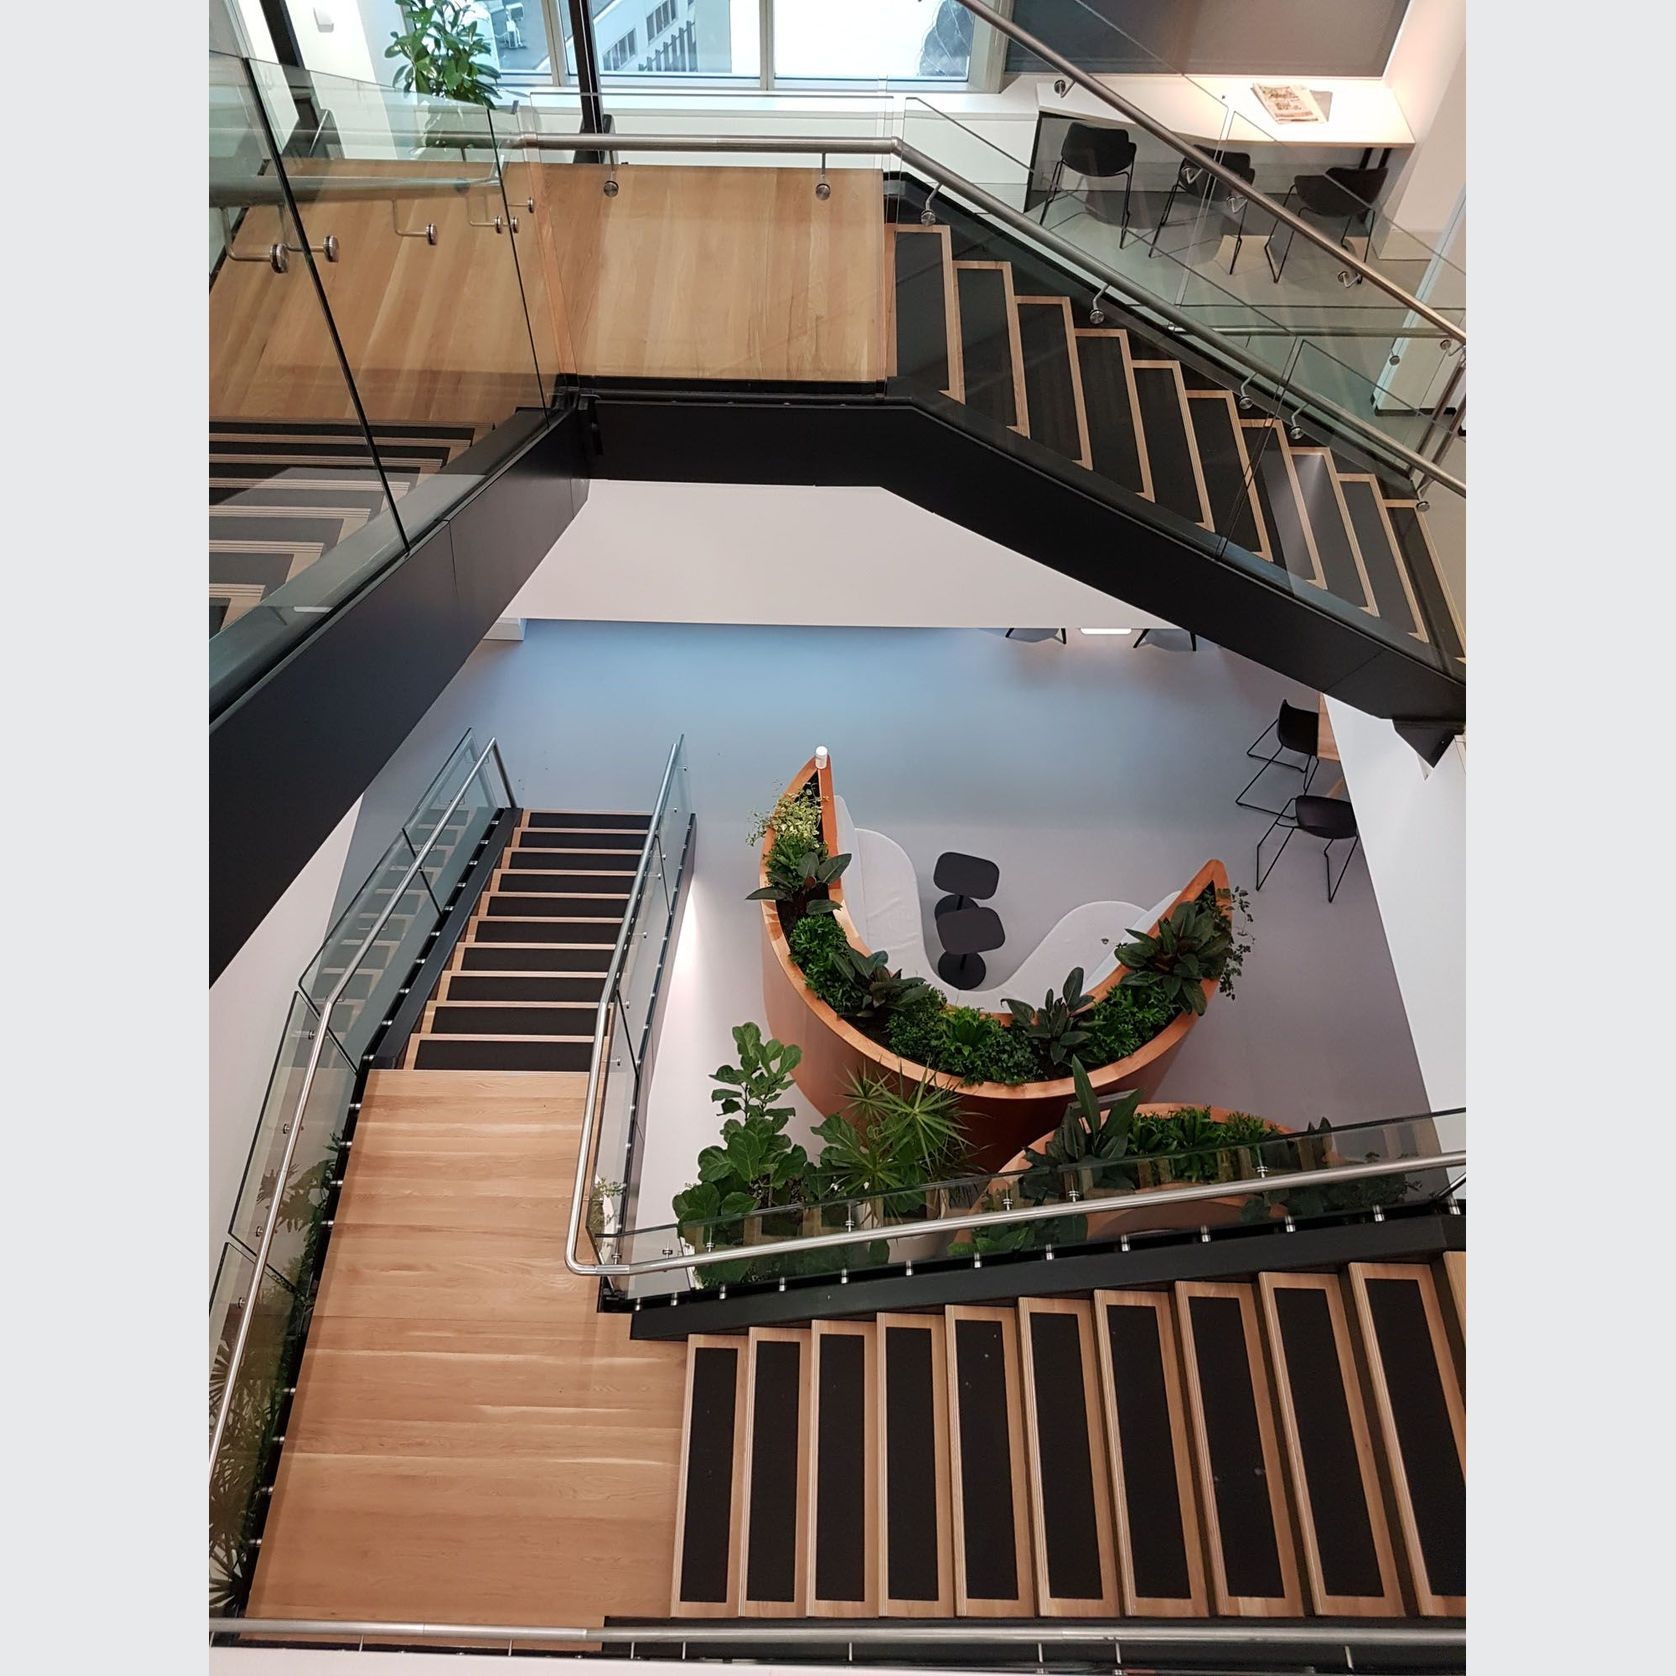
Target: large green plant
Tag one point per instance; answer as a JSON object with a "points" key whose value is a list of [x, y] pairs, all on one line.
{"points": [[891, 1142], [1195, 943], [964, 1043], [1055, 1029], [878, 991], [443, 51]]}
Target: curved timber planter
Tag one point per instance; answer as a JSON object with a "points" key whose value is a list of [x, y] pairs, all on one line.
{"points": [[1008, 1116]]}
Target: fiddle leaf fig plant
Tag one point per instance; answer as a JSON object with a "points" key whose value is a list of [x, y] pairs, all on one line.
{"points": [[762, 1075], [444, 52], [1054, 1028], [1195, 943]]}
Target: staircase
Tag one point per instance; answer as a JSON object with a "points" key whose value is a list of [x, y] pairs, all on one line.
{"points": [[983, 323], [1288, 1445], [284, 492], [522, 988]]}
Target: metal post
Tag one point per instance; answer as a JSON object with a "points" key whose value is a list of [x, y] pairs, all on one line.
{"points": [[587, 68]]}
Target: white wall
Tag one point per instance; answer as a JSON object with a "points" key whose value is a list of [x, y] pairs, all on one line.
{"points": [[248, 1004], [765, 553], [1413, 827], [1427, 73]]}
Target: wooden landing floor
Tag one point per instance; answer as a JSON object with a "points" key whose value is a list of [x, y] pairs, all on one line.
{"points": [[471, 1441]]}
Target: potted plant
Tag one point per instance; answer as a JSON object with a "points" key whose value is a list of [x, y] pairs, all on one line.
{"points": [[444, 52]]}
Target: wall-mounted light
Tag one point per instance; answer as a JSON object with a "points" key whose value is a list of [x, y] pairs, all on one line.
{"points": [[1105, 631]]}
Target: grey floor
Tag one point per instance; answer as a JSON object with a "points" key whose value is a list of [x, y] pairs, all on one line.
{"points": [[1090, 770]]}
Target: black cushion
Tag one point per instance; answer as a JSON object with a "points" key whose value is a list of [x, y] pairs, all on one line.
{"points": [[1326, 817], [1298, 730], [971, 930], [1097, 151], [966, 875]]}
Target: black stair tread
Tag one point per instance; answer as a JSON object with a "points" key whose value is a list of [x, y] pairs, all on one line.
{"points": [[280, 448], [1052, 387], [525, 959], [709, 1520], [550, 931], [1074, 1551], [610, 890], [1170, 447], [1409, 524], [1291, 539], [1249, 1537], [988, 340], [914, 1522], [339, 427], [538, 905], [1329, 522], [284, 496], [1417, 1394], [923, 329], [1113, 409], [844, 1470], [1376, 539], [492, 1018], [548, 819], [777, 1445], [324, 528], [1152, 1472], [510, 1053], [1235, 508], [1329, 1453], [991, 1511], [559, 838], [523, 986]]}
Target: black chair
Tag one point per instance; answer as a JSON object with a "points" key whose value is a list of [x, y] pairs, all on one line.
{"points": [[1296, 731], [1032, 637], [967, 934], [967, 879], [1095, 154], [1192, 637], [1346, 195], [1215, 193], [1330, 819]]}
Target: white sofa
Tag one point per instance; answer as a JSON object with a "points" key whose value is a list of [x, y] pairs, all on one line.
{"points": [[881, 892]]}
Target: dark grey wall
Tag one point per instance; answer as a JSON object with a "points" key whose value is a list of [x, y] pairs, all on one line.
{"points": [[1216, 37]]}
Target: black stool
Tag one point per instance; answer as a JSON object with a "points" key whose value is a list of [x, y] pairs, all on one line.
{"points": [[967, 879], [1192, 638], [1295, 730], [967, 933], [1339, 195], [1096, 154], [1218, 194], [1327, 818]]}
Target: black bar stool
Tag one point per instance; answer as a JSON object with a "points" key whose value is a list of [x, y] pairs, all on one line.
{"points": [[1295, 730], [1330, 819], [1218, 194], [968, 934], [1095, 154], [966, 878], [1346, 195]]}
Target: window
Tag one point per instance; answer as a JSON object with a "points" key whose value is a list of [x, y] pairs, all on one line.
{"points": [[872, 40], [615, 56], [715, 39]]}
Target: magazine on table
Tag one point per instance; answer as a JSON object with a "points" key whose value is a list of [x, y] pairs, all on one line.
{"points": [[1288, 102]]}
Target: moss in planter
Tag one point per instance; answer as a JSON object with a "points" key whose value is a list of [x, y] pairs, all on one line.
{"points": [[1124, 1021], [815, 940]]}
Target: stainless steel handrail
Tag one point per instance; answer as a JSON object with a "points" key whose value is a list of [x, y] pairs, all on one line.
{"points": [[885, 145], [602, 1016], [300, 1105], [1142, 1199], [1361, 1632], [1206, 161], [243, 191]]}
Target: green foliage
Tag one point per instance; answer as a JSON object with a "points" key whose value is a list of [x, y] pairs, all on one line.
{"points": [[795, 822], [891, 1143], [442, 46], [974, 1046], [1054, 1029], [1315, 1148], [817, 940], [801, 881], [1189, 1144], [879, 991], [1093, 1141], [1123, 1021], [1195, 942]]}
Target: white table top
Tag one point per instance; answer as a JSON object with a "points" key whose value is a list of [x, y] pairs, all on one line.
{"points": [[1364, 111]]}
